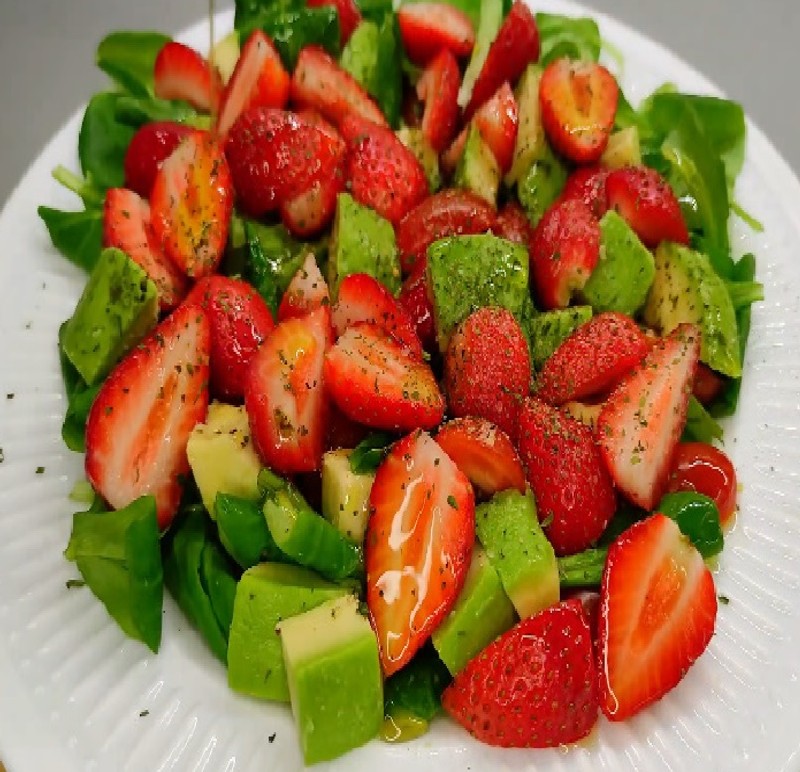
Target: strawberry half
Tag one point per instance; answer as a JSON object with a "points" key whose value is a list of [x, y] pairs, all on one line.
{"points": [[306, 292], [152, 144], [349, 16], [513, 224], [588, 184], [417, 547], [180, 72], [437, 88], [658, 609], [139, 424], [428, 28], [497, 120], [415, 300]]}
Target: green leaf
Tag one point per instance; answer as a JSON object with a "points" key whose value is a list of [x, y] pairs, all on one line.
{"points": [[700, 424], [583, 569], [744, 293], [77, 235], [370, 452], [418, 687], [565, 36], [248, 10], [698, 518], [103, 141], [128, 58], [136, 111]]}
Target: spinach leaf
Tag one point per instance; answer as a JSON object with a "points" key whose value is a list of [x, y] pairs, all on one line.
{"points": [[576, 38], [136, 111], [700, 425], [245, 11], [583, 569], [243, 531], [128, 58], [388, 90], [80, 397], [417, 688], [698, 518], [103, 140], [77, 235], [368, 454]]}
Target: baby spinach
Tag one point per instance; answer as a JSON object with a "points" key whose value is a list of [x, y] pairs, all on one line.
{"points": [[700, 424], [417, 688], [136, 111], [565, 36], [103, 140], [128, 58], [370, 452], [80, 397], [698, 518]]}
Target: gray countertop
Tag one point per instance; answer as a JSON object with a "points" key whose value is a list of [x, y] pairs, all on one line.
{"points": [[748, 47]]}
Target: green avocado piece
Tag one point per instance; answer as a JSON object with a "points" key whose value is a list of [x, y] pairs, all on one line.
{"points": [[360, 55], [541, 184], [119, 305], [687, 289], [490, 21], [624, 273], [550, 329], [477, 169], [335, 680], [428, 158], [531, 142], [345, 495], [266, 595]]}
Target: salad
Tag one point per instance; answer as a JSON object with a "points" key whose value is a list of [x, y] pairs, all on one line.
{"points": [[400, 362]]}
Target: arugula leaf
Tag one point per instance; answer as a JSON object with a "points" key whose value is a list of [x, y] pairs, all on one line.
{"points": [[103, 140], [700, 425], [77, 235], [370, 452], [128, 58], [573, 37], [136, 111]]}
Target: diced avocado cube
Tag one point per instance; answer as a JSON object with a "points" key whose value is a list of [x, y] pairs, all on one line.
{"points": [[541, 185], [268, 594], [335, 682], [548, 330], [623, 149], [624, 273], [482, 613], [531, 143], [119, 305], [509, 530], [478, 170], [345, 495], [428, 158]]}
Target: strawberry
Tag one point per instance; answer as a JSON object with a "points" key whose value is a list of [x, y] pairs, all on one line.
{"points": [[484, 453], [658, 608], [516, 46], [437, 87], [642, 421], [646, 201], [565, 248], [341, 431], [126, 226], [152, 144], [376, 382], [592, 359], [428, 28], [191, 204], [578, 102], [380, 171], [140, 421], [414, 299], [321, 84], [533, 687], [707, 384], [240, 322], [259, 80], [306, 292], [417, 547], [497, 120], [181, 72], [513, 224], [349, 16], [449, 158], [310, 211], [487, 368], [284, 394], [574, 493], [588, 184]]}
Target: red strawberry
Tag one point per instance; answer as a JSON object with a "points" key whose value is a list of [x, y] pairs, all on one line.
{"points": [[126, 226], [592, 359], [484, 453], [380, 170], [182, 73], [140, 422], [513, 224], [284, 394], [487, 368], [341, 431], [658, 609], [414, 298], [418, 545], [306, 292], [578, 102], [588, 184], [375, 381], [646, 201], [349, 16], [565, 248], [191, 205], [707, 384], [428, 28], [437, 87], [152, 144], [259, 80], [574, 493], [534, 687], [497, 120], [312, 210], [321, 84], [240, 323], [642, 421]]}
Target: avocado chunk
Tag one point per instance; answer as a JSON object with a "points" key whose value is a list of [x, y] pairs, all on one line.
{"points": [[623, 149], [508, 527], [266, 595], [550, 329], [478, 170], [362, 242], [428, 158], [624, 273], [490, 21], [482, 613], [335, 682], [360, 55], [345, 495], [118, 307], [541, 184], [531, 143], [687, 289], [222, 456], [469, 272]]}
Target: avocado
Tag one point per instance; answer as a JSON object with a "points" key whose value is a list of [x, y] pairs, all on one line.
{"points": [[687, 289], [623, 149], [345, 495], [266, 595], [481, 613], [222, 456], [225, 55], [491, 19], [541, 184], [624, 273], [468, 272], [428, 158], [508, 527], [550, 329], [360, 54], [118, 307], [531, 143], [335, 682], [362, 242], [478, 170]]}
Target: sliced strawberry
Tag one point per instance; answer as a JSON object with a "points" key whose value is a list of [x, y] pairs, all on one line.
{"points": [[418, 545], [707, 384], [513, 224], [312, 210], [593, 359], [349, 16], [126, 226], [437, 87], [565, 248], [428, 28], [658, 608], [375, 381], [533, 687], [321, 84], [578, 102], [341, 431], [646, 201], [191, 205], [181, 72], [484, 453], [240, 322], [284, 394], [588, 184], [259, 80], [140, 422], [415, 299], [450, 158], [380, 171], [497, 120], [306, 292], [152, 144], [642, 421]]}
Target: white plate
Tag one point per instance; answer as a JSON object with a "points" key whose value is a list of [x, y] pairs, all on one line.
{"points": [[76, 695]]}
